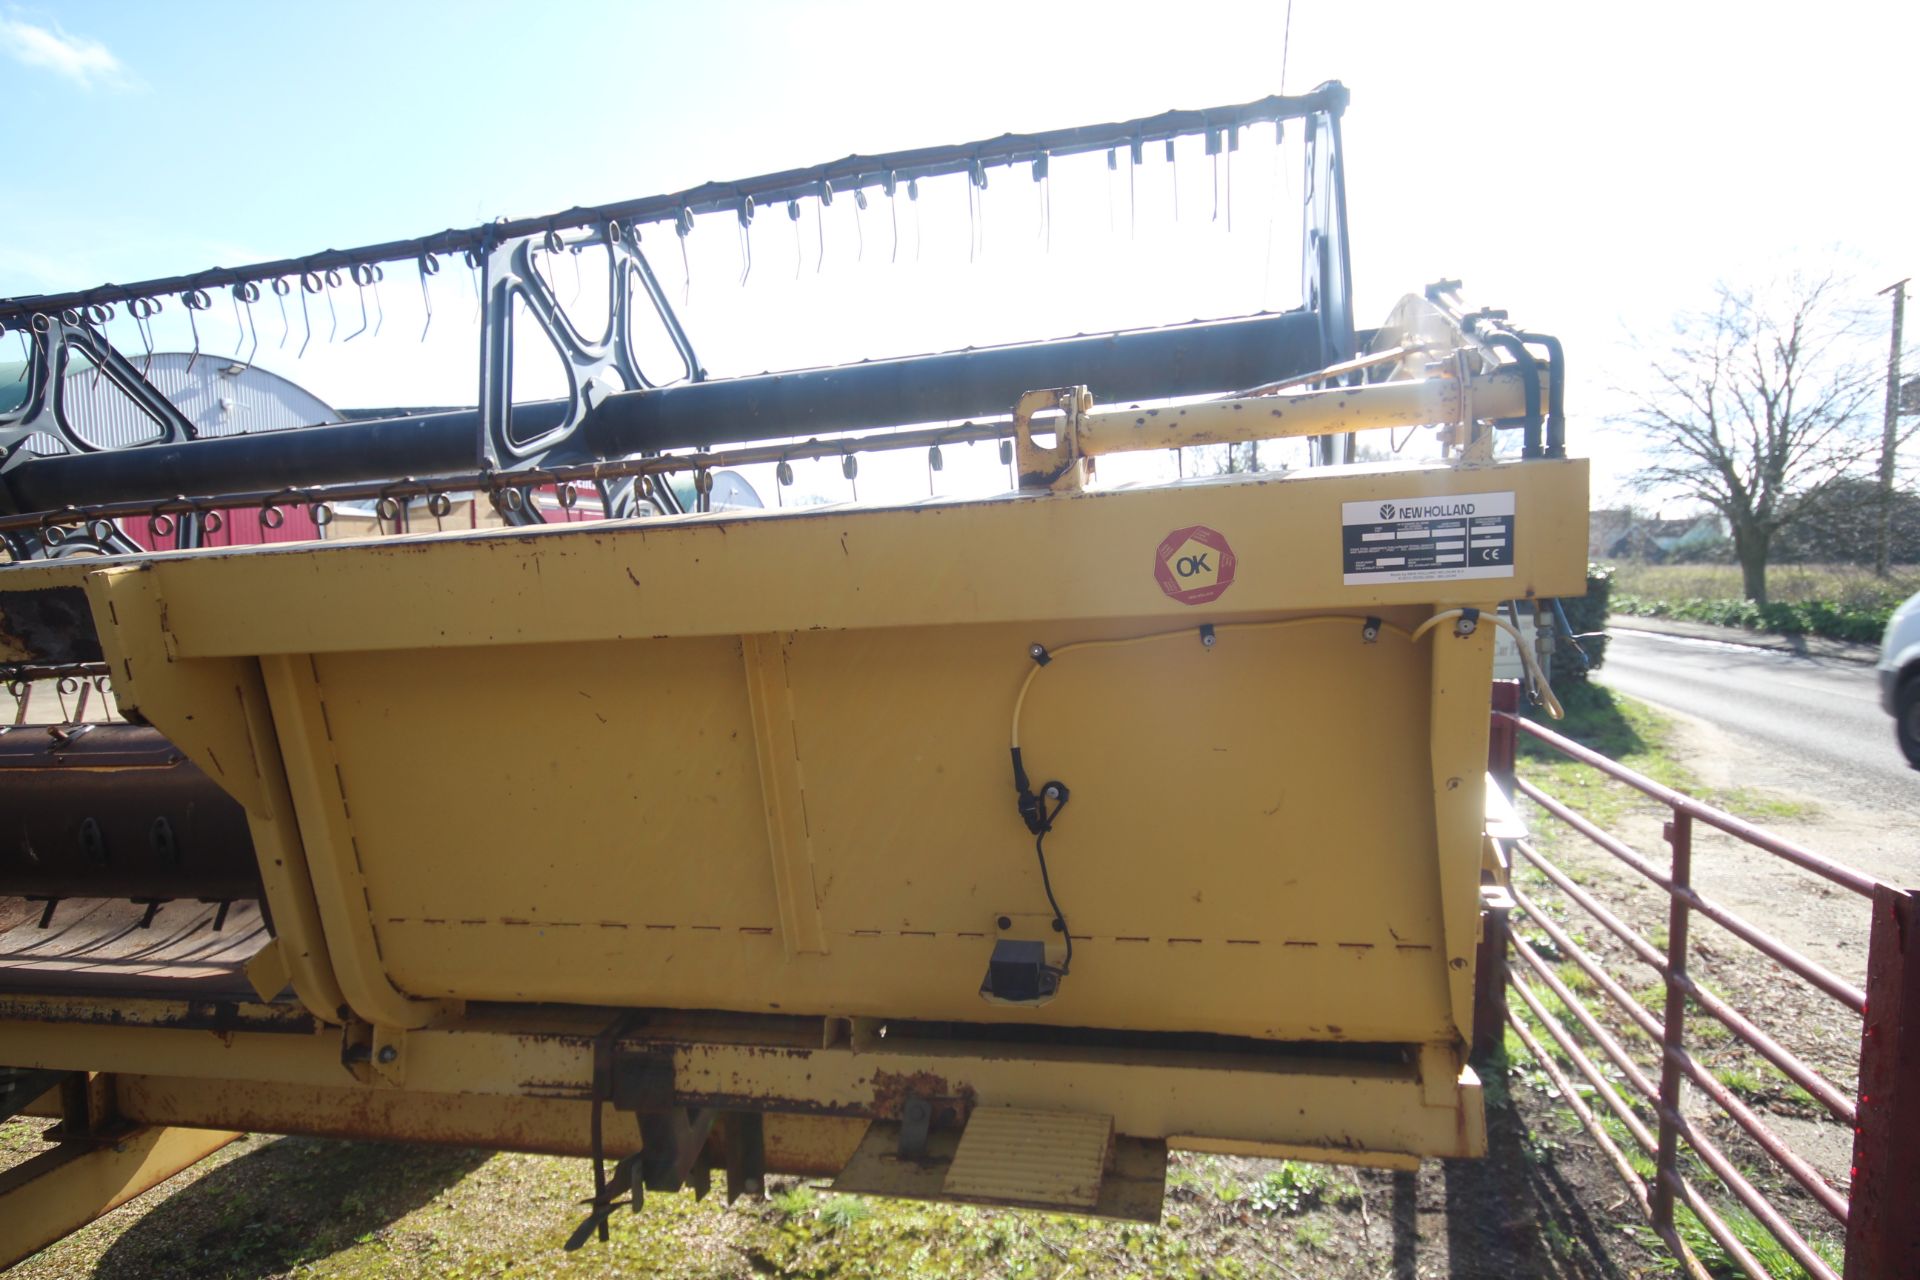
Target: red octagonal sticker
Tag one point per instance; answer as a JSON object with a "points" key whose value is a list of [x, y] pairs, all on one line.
{"points": [[1194, 565]]}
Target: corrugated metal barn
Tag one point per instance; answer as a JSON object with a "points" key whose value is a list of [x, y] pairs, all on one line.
{"points": [[220, 397]]}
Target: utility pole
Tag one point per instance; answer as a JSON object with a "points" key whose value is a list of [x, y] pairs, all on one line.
{"points": [[1888, 441]]}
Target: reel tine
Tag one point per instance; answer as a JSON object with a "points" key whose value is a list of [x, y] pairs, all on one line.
{"points": [[281, 288], [360, 274], [195, 300], [745, 215], [821, 201], [892, 187], [429, 265], [333, 280], [309, 284]]}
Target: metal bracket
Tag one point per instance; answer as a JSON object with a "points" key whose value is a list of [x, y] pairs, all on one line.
{"points": [[921, 1115], [54, 340], [89, 1109], [595, 365], [1058, 465], [673, 1138], [673, 1148], [642, 1081], [389, 1053], [356, 1049], [746, 1139], [369, 1051], [916, 1119]]}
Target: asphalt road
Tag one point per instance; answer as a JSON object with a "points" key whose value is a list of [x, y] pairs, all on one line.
{"points": [[1818, 718]]}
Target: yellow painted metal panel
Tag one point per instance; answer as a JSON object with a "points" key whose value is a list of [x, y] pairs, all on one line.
{"points": [[215, 710], [1462, 667], [1026, 559], [628, 863], [783, 792], [331, 838], [592, 818], [62, 1190]]}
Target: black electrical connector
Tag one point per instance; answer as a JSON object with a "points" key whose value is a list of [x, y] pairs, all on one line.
{"points": [[1039, 810]]}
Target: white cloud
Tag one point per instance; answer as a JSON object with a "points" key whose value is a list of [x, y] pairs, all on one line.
{"points": [[85, 62]]}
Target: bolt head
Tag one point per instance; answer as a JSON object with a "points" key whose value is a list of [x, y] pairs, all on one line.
{"points": [[388, 1053]]}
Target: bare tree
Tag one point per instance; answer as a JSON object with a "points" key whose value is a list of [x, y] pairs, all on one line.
{"points": [[1756, 409]]}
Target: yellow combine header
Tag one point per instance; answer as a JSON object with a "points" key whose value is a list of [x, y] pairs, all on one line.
{"points": [[974, 849]]}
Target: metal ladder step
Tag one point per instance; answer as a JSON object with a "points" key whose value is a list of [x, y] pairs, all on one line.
{"points": [[1041, 1159], [1066, 1162]]}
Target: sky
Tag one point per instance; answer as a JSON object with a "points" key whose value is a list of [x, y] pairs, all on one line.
{"points": [[1594, 169]]}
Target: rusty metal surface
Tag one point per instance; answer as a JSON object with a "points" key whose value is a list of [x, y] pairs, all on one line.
{"points": [[1883, 1231], [101, 947], [807, 1145], [116, 811], [1297, 1097], [210, 1013]]}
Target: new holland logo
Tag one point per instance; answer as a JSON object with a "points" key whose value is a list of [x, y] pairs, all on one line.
{"points": [[1386, 511]]}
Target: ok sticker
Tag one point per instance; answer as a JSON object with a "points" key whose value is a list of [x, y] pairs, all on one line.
{"points": [[1194, 565]]}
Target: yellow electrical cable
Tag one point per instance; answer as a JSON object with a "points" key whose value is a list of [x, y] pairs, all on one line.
{"points": [[1552, 703], [1124, 641], [1527, 659]]}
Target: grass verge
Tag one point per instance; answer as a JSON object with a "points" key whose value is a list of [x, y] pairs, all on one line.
{"points": [[1631, 733], [1840, 602]]}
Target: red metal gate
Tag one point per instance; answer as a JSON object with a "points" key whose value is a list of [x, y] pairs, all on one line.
{"points": [[1881, 1215]]}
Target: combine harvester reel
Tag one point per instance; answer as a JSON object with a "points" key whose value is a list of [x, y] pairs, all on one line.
{"points": [[980, 850]]}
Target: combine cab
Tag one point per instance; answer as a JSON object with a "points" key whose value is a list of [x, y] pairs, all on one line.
{"points": [[974, 849]]}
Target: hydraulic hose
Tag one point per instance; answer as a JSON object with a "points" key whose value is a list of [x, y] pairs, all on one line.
{"points": [[1556, 391], [1530, 374], [1532, 665]]}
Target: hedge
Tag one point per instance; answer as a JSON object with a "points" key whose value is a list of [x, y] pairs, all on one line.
{"points": [[1810, 617], [1587, 616]]}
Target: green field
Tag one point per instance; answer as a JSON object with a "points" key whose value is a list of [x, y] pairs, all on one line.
{"points": [[1841, 584], [1844, 602]]}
